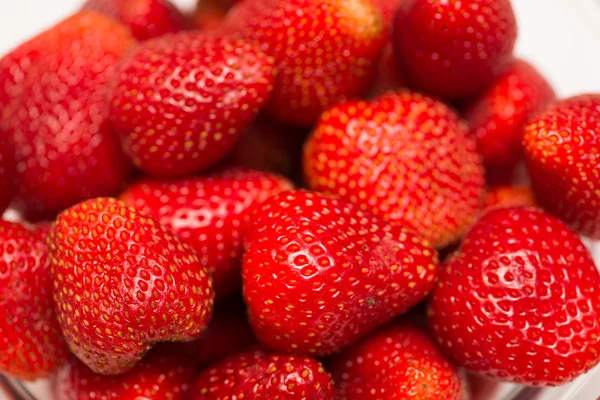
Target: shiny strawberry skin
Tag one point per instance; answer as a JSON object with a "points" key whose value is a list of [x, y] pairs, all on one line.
{"points": [[562, 150], [454, 49], [145, 19], [398, 361], [318, 66], [123, 282], [498, 116], [319, 273], [182, 101], [257, 375], [54, 108], [210, 214], [31, 344], [159, 376], [509, 196], [520, 301], [7, 173], [405, 156]]}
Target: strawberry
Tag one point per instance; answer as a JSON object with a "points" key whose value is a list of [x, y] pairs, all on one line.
{"points": [[454, 49], [562, 149], [498, 116], [520, 301], [210, 214], [405, 156], [257, 375], [7, 174], [509, 196], [32, 345], [54, 107], [159, 376], [319, 273], [397, 362], [144, 18], [181, 101], [325, 50], [123, 282]]}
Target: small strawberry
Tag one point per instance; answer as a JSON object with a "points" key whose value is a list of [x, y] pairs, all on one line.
{"points": [[498, 116], [144, 18], [257, 375], [182, 101], [210, 214], [319, 273], [397, 362], [31, 344], [454, 48], [520, 301], [405, 156], [123, 282], [7, 174], [325, 50], [562, 149], [509, 196], [159, 376], [53, 101]]}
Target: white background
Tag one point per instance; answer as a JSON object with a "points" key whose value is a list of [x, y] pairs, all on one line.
{"points": [[561, 37]]}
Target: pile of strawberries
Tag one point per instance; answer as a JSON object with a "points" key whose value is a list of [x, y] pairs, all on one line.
{"points": [[252, 203]]}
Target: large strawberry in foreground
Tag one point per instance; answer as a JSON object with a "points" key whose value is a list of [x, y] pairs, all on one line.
{"points": [[182, 101], [520, 301], [319, 273], [397, 362], [325, 50], [404, 156], [258, 375], [211, 214], [31, 343], [123, 282], [562, 149], [53, 101]]}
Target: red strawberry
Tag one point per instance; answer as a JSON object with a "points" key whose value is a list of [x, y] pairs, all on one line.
{"points": [[325, 50], [182, 101], [562, 149], [256, 375], [319, 273], [498, 116], [210, 214], [405, 156], [397, 362], [7, 174], [54, 98], [454, 48], [32, 345], [123, 282], [509, 196], [145, 18], [520, 301], [159, 376]]}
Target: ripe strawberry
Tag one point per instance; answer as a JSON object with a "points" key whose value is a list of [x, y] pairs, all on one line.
{"points": [[181, 101], [123, 282], [144, 18], [210, 214], [325, 50], [319, 273], [520, 301], [159, 376], [54, 99], [405, 156], [32, 345], [498, 116], [397, 362], [454, 48], [562, 149], [7, 174], [257, 375], [509, 196]]}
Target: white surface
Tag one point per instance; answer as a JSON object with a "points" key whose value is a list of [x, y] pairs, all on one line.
{"points": [[561, 37]]}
